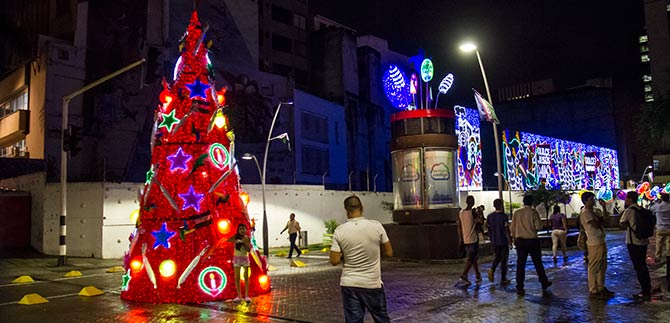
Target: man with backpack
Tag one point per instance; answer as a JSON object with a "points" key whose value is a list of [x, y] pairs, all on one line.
{"points": [[639, 224]]}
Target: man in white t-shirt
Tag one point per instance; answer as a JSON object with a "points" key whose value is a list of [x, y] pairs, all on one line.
{"points": [[356, 245]]}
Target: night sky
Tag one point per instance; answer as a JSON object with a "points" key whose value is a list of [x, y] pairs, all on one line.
{"points": [[519, 41]]}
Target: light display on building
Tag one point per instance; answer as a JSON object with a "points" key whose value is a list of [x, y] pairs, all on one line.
{"points": [[469, 154], [531, 160]]}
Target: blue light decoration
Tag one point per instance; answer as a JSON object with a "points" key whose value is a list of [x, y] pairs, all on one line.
{"points": [[396, 87], [179, 160], [192, 199], [469, 154], [197, 89], [532, 160], [163, 236]]}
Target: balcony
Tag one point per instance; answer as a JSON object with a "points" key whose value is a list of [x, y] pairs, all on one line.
{"points": [[14, 127]]}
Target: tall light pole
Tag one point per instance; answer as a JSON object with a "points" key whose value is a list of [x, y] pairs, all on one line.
{"points": [[645, 172], [283, 136], [469, 47], [62, 250]]}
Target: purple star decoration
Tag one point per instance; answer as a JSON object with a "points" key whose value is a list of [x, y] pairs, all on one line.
{"points": [[197, 89], [192, 199], [179, 160], [162, 236]]}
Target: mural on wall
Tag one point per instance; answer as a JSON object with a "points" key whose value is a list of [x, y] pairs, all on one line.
{"points": [[531, 160], [469, 154]]}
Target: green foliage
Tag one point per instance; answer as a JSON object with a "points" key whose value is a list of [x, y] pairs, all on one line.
{"points": [[547, 198], [331, 225], [511, 206]]}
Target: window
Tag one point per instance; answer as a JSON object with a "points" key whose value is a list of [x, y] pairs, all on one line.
{"points": [[315, 161], [644, 58], [314, 127], [644, 49], [646, 78], [281, 43], [19, 102], [656, 163], [647, 88], [299, 21], [648, 97], [16, 150], [643, 39], [282, 15]]}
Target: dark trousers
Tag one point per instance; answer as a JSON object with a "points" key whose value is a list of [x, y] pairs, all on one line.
{"points": [[638, 254], [291, 238], [356, 300], [524, 247], [502, 258]]}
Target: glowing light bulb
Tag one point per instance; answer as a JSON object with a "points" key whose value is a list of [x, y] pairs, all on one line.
{"points": [[223, 226], [264, 282], [136, 265], [245, 198], [167, 268], [219, 119], [134, 216]]}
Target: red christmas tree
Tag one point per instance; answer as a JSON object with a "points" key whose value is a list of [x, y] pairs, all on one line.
{"points": [[191, 203]]}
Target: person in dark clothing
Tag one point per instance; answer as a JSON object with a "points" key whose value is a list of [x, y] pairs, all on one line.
{"points": [[498, 228], [637, 248]]}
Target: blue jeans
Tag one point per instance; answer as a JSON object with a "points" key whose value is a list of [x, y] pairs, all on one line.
{"points": [[356, 300]]}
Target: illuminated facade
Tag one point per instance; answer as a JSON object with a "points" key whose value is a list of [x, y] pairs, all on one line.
{"points": [[532, 160]]}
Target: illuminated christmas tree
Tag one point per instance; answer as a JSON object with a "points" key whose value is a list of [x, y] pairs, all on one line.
{"points": [[191, 203]]}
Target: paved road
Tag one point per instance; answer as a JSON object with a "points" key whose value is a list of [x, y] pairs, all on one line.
{"points": [[425, 292]]}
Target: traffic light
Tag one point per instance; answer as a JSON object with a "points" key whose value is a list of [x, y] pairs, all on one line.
{"points": [[71, 139]]}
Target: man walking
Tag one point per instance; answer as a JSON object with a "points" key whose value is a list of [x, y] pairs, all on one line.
{"points": [[662, 212], [470, 238], [637, 248], [498, 225], [356, 244], [293, 228], [525, 224], [592, 222]]}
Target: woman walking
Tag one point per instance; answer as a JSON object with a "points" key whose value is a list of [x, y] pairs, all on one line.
{"points": [[559, 226]]}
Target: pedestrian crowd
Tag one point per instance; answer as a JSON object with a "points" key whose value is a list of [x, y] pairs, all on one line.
{"points": [[640, 224]]}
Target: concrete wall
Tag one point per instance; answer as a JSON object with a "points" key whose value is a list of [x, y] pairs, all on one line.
{"points": [[98, 219]]}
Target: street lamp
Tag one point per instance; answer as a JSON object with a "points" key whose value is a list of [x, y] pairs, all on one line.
{"points": [[469, 47], [283, 137], [645, 172], [62, 250]]}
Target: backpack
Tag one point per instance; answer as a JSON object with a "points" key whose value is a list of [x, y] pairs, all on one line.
{"points": [[645, 221]]}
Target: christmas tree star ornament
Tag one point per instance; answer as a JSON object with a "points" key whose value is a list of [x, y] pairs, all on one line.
{"points": [[163, 236], [169, 121], [179, 160], [197, 89], [192, 199]]}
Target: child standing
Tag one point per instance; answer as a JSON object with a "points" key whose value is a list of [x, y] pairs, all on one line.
{"points": [[241, 260]]}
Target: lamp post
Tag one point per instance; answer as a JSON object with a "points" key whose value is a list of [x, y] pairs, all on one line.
{"points": [[62, 251], [469, 47], [509, 190], [645, 172], [283, 136]]}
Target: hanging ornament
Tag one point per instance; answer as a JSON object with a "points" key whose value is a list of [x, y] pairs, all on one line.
{"points": [[220, 180], [218, 155], [192, 199], [212, 280], [169, 121], [197, 89], [179, 160], [167, 196], [147, 266], [199, 162], [125, 280], [190, 267], [427, 70], [162, 236]]}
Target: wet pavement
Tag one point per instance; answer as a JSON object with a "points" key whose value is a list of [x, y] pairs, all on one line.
{"points": [[416, 292]]}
